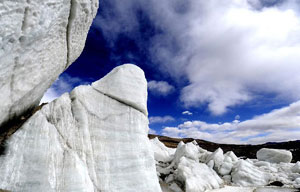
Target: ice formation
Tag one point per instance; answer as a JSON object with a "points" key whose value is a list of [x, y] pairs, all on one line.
{"points": [[38, 41], [190, 168], [89, 140], [274, 155]]}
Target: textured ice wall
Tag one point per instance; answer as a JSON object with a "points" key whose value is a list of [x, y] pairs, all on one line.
{"points": [[39, 39], [85, 141]]}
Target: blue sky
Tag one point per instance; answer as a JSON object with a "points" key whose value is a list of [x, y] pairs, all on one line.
{"points": [[225, 71]]}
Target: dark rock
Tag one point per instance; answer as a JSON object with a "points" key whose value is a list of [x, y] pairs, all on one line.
{"points": [[276, 183]]}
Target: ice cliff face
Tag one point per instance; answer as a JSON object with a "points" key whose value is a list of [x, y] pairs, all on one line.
{"points": [[93, 139], [38, 41]]}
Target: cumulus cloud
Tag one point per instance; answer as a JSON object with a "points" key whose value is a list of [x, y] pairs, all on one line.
{"points": [[229, 51], [187, 113], [160, 87], [278, 125], [159, 119], [65, 83], [243, 47]]}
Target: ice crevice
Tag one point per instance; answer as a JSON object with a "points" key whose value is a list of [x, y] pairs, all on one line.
{"points": [[12, 79], [24, 21], [72, 14]]}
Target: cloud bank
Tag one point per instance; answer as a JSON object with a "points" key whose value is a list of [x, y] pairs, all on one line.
{"points": [[229, 51], [278, 125]]}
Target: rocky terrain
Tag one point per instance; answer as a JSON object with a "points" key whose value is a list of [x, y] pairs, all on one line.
{"points": [[243, 151]]}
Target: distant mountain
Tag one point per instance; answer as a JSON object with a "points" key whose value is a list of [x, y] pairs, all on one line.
{"points": [[247, 151]]}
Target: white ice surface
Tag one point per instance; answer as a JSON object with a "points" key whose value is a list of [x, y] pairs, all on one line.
{"points": [[296, 168], [39, 39], [217, 157], [117, 87], [197, 177], [188, 150], [185, 172], [274, 155], [161, 152], [83, 141], [246, 174], [188, 172]]}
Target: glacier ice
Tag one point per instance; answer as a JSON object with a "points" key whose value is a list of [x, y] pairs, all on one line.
{"points": [[184, 170], [38, 41], [196, 176], [296, 168], [274, 155], [125, 87], [246, 174], [191, 168], [88, 140], [161, 152]]}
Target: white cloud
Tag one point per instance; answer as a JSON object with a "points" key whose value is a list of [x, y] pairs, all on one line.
{"points": [[49, 96], [278, 125], [160, 87], [158, 119], [229, 51], [187, 113], [243, 47], [152, 131], [64, 83]]}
